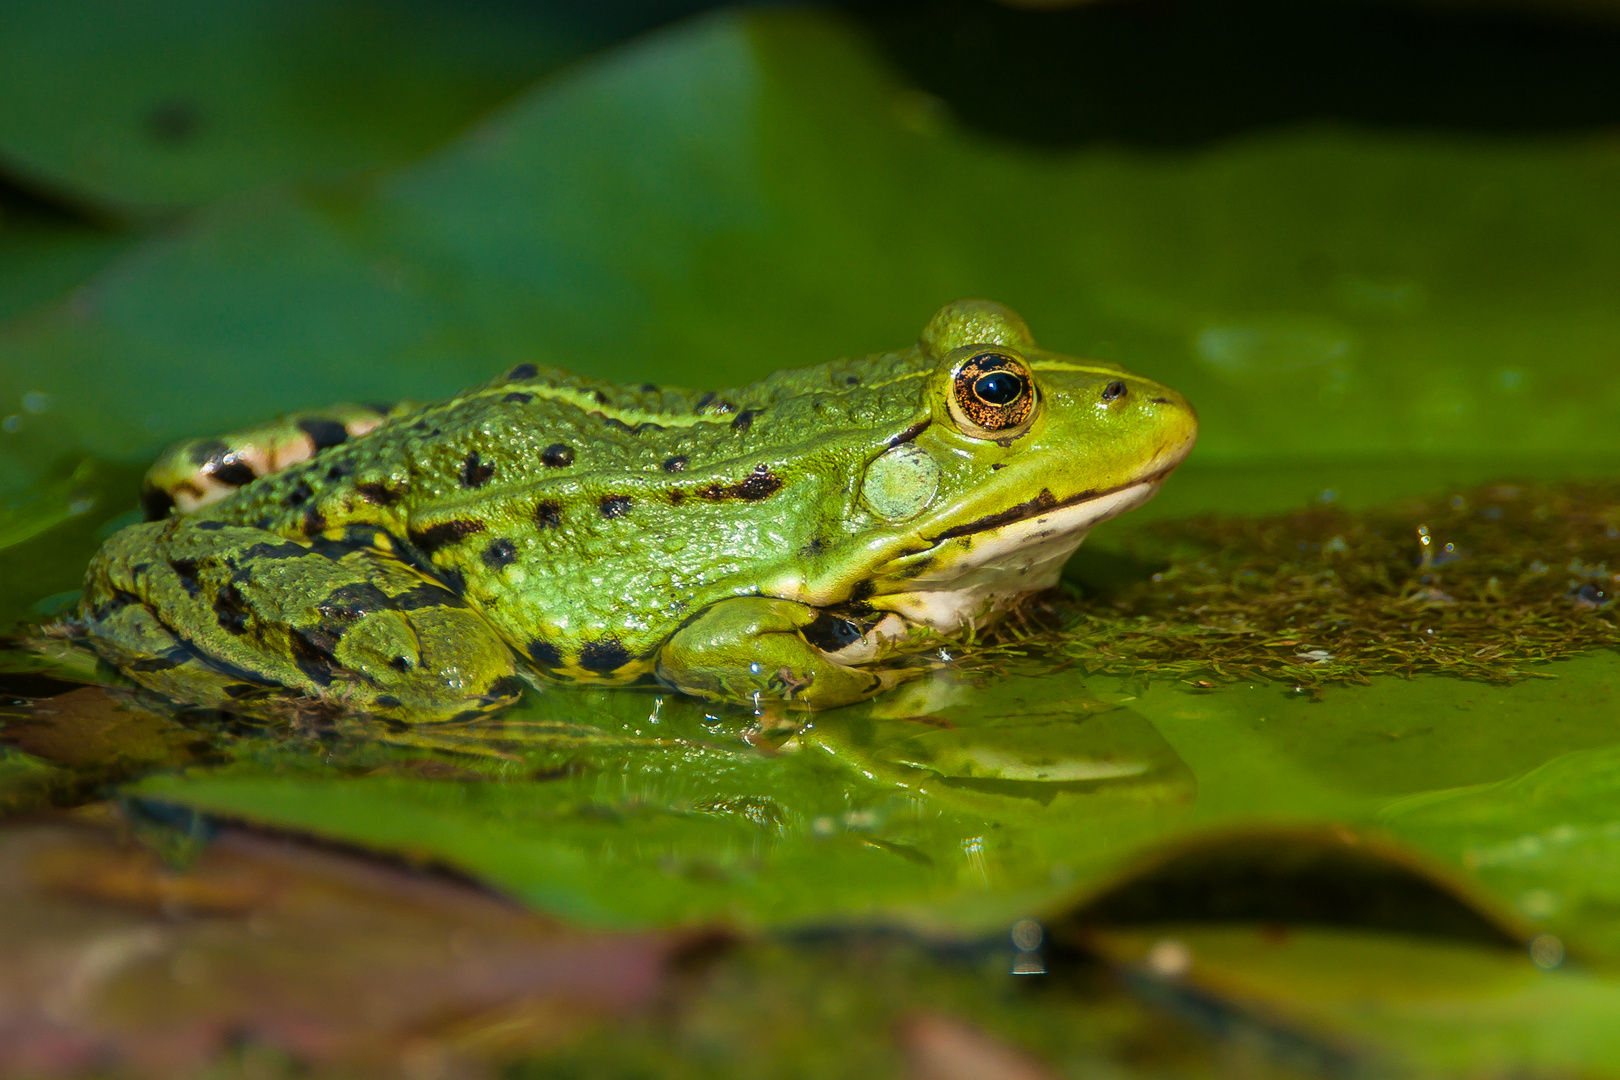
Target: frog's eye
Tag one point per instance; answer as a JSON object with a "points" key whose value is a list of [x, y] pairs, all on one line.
{"points": [[992, 396]]}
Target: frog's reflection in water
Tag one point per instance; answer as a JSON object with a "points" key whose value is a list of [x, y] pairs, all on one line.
{"points": [[997, 780], [1027, 737], [1019, 781]]}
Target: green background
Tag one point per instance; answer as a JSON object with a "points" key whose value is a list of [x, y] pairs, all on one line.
{"points": [[252, 208]]}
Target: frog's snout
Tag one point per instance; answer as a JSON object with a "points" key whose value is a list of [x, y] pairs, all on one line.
{"points": [[1176, 419]]}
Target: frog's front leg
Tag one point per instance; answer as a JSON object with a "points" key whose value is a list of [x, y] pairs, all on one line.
{"points": [[754, 647], [211, 614]]}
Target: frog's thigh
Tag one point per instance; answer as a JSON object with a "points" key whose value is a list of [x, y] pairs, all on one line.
{"points": [[203, 612], [753, 646], [194, 473]]}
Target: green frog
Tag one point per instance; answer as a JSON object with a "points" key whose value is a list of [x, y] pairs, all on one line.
{"points": [[795, 539]]}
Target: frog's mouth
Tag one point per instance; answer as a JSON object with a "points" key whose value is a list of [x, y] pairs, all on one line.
{"points": [[1067, 514], [1048, 504], [970, 571]]}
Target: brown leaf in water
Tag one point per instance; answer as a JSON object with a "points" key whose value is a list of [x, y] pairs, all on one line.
{"points": [[97, 728], [942, 1048], [112, 962]]}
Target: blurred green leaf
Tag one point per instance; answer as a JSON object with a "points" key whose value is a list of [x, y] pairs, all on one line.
{"points": [[42, 258], [1546, 840], [27, 782], [23, 519], [1359, 1003], [753, 192], [139, 108]]}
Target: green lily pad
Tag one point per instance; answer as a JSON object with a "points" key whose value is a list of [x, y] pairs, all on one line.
{"points": [[1337, 1001], [630, 808], [43, 257], [1545, 839], [140, 108], [948, 804]]}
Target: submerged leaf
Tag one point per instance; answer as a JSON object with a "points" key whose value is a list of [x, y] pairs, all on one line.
{"points": [[111, 961]]}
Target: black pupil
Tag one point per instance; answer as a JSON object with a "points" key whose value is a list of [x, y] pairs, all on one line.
{"points": [[999, 388]]}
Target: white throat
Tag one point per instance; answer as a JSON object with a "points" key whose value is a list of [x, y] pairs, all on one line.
{"points": [[980, 575]]}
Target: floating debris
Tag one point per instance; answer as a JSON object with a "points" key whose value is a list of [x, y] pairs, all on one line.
{"points": [[1485, 584]]}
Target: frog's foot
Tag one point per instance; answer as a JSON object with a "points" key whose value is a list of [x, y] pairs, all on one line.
{"points": [[756, 647], [213, 614]]}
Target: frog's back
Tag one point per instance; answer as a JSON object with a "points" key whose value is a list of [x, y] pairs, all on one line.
{"points": [[573, 510], [538, 426]]}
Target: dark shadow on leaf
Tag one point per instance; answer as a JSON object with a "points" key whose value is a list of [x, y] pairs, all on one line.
{"points": [[1320, 877]]}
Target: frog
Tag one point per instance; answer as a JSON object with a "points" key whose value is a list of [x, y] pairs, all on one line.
{"points": [[794, 541]]}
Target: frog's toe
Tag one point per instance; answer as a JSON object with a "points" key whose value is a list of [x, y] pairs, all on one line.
{"points": [[753, 647]]}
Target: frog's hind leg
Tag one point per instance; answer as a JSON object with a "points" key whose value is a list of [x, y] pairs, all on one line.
{"points": [[194, 473], [211, 614]]}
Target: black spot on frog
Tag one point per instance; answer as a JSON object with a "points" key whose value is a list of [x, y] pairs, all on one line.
{"points": [[324, 433], [603, 656], [500, 553], [757, 485], [433, 537], [475, 472]]}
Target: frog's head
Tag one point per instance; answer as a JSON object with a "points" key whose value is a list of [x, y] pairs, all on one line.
{"points": [[1022, 453]]}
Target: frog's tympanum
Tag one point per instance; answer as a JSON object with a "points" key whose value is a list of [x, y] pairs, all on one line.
{"points": [[793, 539]]}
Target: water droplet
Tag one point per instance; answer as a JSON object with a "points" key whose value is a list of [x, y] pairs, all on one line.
{"points": [[1546, 952], [1027, 935], [1169, 958]]}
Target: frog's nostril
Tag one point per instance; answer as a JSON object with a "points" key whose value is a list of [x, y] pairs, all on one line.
{"points": [[1113, 391], [1161, 401]]}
